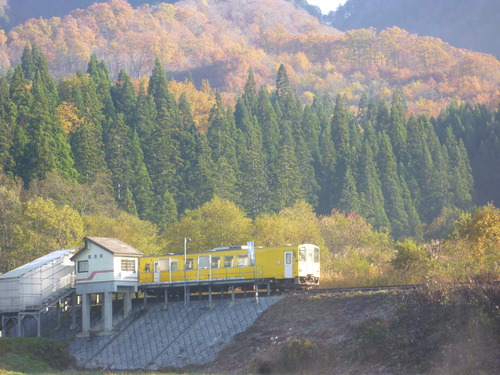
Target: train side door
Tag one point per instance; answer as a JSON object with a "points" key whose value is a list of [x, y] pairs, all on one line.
{"points": [[288, 265], [156, 271]]}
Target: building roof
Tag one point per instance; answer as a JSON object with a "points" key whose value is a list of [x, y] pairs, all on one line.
{"points": [[112, 245], [20, 271]]}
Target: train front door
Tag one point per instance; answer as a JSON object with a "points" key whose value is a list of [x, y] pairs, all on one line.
{"points": [[288, 265]]}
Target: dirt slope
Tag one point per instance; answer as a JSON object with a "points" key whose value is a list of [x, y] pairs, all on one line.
{"points": [[432, 331]]}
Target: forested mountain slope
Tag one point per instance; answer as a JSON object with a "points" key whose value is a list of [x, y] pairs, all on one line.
{"points": [[473, 25], [302, 134], [221, 40]]}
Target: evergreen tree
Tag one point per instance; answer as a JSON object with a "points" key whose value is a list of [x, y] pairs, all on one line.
{"points": [[87, 139], [349, 198], [285, 98], [28, 64], [391, 188], [254, 186], [383, 117], [47, 148], [124, 98], [397, 128], [7, 122], [461, 174], [141, 186], [341, 139], [100, 74], [250, 96], [326, 176], [372, 198], [119, 159], [195, 184], [268, 122], [161, 149], [288, 178], [414, 224]]}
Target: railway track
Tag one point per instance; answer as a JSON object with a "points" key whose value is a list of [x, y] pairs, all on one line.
{"points": [[366, 289]]}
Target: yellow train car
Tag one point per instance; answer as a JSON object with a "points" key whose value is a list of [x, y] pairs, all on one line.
{"points": [[290, 265]]}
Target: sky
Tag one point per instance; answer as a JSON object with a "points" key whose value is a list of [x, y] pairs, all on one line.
{"points": [[327, 5]]}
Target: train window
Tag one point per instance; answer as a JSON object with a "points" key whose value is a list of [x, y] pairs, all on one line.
{"points": [[302, 254], [242, 260], [163, 264], [147, 267], [203, 262], [174, 266], [316, 255], [288, 258], [189, 263], [228, 261], [215, 262]]}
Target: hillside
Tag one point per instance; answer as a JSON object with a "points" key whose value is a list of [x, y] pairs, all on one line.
{"points": [[221, 40], [473, 25], [430, 331]]}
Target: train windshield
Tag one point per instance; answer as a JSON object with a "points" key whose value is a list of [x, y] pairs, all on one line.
{"points": [[316, 254], [302, 254]]}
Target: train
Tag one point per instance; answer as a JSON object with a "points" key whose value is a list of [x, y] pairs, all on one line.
{"points": [[279, 265]]}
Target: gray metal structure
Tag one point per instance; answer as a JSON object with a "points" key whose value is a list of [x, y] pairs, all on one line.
{"points": [[29, 290]]}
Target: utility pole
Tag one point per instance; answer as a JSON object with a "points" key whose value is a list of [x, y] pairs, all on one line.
{"points": [[186, 239]]}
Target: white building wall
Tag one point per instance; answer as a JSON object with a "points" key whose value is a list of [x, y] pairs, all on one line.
{"points": [[125, 276], [100, 265]]}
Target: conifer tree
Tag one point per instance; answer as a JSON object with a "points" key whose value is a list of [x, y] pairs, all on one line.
{"points": [[414, 224], [383, 117], [87, 139], [250, 96], [222, 140], [119, 159], [124, 98], [47, 148], [254, 186], [288, 178], [285, 98], [268, 122], [460, 173], [326, 176], [141, 186], [341, 139], [391, 187], [161, 148], [397, 128], [349, 197], [195, 184], [28, 63], [370, 190], [7, 122], [100, 74]]}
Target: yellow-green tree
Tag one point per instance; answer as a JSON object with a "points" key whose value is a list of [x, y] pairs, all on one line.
{"points": [[46, 227], [293, 225], [473, 250], [354, 253], [128, 228], [10, 215], [217, 223]]}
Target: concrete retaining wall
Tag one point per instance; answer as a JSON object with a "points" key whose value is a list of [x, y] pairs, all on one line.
{"points": [[176, 336]]}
